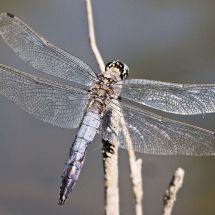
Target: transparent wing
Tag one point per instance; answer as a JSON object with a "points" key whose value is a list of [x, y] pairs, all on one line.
{"points": [[171, 97], [134, 128], [58, 104], [41, 54]]}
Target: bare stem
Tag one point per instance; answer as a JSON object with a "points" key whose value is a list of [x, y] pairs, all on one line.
{"points": [[136, 177], [110, 163], [135, 168], [170, 195], [92, 36], [110, 152]]}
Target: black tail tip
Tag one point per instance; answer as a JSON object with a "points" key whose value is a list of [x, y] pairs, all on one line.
{"points": [[61, 202]]}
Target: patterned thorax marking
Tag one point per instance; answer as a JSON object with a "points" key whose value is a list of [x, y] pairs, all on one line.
{"points": [[102, 92]]}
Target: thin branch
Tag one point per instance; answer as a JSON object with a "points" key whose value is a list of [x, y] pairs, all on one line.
{"points": [[136, 176], [110, 152], [110, 163], [170, 195], [135, 168], [92, 36]]}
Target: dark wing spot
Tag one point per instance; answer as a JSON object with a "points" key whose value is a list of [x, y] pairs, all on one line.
{"points": [[10, 15]]}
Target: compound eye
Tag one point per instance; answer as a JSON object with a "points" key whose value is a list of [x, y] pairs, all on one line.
{"points": [[126, 71], [109, 65]]}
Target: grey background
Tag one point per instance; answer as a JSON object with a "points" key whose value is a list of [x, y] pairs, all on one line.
{"points": [[161, 40]]}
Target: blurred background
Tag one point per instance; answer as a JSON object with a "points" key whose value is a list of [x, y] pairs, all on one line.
{"points": [[165, 40]]}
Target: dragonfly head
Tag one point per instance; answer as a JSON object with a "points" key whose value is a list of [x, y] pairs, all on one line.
{"points": [[118, 66]]}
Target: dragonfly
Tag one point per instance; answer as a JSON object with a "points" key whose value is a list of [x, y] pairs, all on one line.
{"points": [[100, 102]]}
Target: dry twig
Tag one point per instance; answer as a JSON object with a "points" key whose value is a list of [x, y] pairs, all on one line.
{"points": [[110, 163], [136, 176], [92, 36], [170, 195], [110, 152]]}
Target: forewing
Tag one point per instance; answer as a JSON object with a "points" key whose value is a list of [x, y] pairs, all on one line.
{"points": [[41, 54], [171, 97], [58, 104], [142, 131]]}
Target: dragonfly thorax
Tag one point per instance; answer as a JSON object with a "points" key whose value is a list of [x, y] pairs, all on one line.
{"points": [[102, 91]]}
